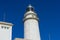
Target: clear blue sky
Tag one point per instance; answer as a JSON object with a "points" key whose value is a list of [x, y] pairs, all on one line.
{"points": [[48, 11]]}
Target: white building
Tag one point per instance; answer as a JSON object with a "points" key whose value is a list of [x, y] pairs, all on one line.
{"points": [[31, 26], [5, 31]]}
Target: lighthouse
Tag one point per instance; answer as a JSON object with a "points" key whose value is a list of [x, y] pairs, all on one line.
{"points": [[31, 25], [5, 31]]}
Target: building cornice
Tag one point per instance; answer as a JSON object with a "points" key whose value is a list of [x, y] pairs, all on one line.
{"points": [[6, 23]]}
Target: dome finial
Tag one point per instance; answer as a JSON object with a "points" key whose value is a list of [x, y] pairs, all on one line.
{"points": [[29, 6]]}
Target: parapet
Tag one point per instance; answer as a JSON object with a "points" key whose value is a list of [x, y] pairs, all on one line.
{"points": [[6, 23]]}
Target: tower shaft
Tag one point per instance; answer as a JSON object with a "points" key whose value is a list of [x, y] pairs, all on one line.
{"points": [[31, 30]]}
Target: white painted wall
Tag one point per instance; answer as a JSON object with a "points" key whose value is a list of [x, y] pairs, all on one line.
{"points": [[5, 34], [31, 29]]}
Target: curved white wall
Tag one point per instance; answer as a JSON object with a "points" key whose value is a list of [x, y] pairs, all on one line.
{"points": [[31, 29]]}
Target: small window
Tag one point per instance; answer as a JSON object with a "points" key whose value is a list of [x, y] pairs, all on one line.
{"points": [[7, 27], [2, 27]]}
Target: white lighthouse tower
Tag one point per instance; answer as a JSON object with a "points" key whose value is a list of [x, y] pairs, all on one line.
{"points": [[5, 31], [31, 26]]}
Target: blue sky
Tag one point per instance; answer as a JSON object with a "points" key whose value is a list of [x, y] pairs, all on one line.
{"points": [[48, 12]]}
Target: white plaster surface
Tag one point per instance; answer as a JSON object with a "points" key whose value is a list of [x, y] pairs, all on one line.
{"points": [[31, 29], [5, 34]]}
